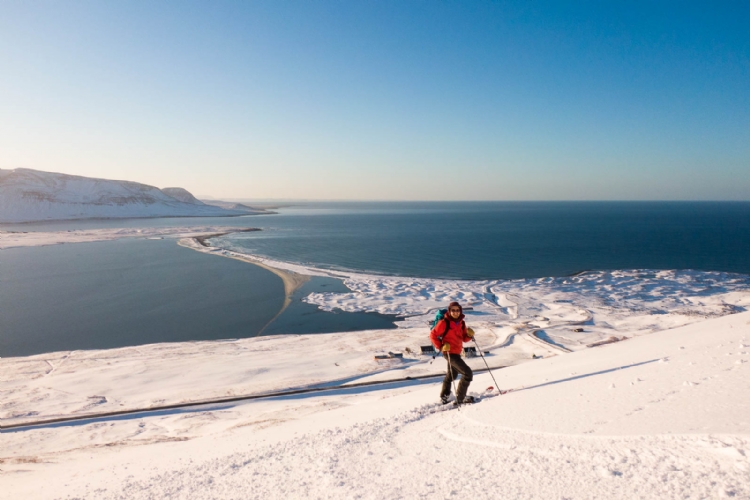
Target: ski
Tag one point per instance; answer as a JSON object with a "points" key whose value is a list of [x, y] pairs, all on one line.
{"points": [[500, 391]]}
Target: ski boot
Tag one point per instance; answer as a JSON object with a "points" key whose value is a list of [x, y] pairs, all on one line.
{"points": [[467, 401]]}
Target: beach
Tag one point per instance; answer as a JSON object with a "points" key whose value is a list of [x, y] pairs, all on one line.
{"points": [[292, 280]]}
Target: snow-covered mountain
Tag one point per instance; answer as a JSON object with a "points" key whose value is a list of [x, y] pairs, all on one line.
{"points": [[32, 195], [186, 196], [182, 194], [231, 205]]}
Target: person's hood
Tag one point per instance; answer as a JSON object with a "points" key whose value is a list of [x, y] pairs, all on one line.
{"points": [[448, 316]]}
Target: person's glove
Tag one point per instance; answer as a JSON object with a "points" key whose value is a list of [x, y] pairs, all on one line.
{"points": [[446, 348], [470, 332]]}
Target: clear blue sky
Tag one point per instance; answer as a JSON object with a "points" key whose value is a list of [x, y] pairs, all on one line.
{"points": [[383, 100]]}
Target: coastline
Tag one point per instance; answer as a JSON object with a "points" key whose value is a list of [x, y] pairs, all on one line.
{"points": [[128, 292], [141, 288], [202, 239], [190, 237], [572, 311], [193, 237], [568, 313], [298, 286], [15, 239], [292, 281]]}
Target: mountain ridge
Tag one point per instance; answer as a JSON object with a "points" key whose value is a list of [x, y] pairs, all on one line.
{"points": [[28, 195]]}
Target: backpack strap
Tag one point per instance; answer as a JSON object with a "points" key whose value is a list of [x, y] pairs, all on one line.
{"points": [[447, 327]]}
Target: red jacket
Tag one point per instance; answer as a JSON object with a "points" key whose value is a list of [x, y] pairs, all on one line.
{"points": [[455, 336]]}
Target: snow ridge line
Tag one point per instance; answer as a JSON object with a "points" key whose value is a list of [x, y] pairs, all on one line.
{"points": [[533, 335]]}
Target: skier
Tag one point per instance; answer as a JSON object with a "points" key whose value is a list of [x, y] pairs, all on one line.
{"points": [[448, 336]]}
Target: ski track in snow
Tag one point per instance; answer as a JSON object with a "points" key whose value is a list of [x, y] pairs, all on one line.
{"points": [[532, 443], [415, 456]]}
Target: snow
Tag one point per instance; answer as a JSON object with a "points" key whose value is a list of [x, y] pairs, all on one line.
{"points": [[661, 412], [182, 194], [604, 304], [615, 421], [70, 383], [32, 195], [14, 239]]}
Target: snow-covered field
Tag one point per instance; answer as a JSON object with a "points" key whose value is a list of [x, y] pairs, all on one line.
{"points": [[661, 410], [603, 305], [13, 239], [662, 415]]}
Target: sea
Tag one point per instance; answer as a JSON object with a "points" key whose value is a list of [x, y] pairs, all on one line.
{"points": [[133, 292], [505, 240]]}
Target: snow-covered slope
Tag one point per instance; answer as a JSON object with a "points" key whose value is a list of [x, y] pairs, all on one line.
{"points": [[230, 205], [182, 194], [32, 195], [663, 415]]}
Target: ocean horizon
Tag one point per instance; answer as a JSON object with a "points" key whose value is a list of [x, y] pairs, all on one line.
{"points": [[504, 240]]}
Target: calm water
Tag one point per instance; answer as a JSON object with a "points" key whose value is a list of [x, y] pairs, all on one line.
{"points": [[131, 292], [506, 240]]}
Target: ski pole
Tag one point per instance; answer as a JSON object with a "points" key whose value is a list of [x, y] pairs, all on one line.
{"points": [[485, 363], [450, 370]]}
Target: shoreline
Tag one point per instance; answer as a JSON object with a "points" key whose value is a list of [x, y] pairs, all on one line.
{"points": [[292, 281], [575, 315], [575, 311], [198, 235], [202, 239], [21, 239]]}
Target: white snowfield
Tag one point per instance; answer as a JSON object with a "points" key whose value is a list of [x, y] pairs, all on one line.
{"points": [[13, 239], [665, 415], [80, 382], [605, 306], [32, 195], [600, 303]]}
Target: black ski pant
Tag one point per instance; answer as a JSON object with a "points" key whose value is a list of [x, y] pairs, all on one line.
{"points": [[457, 366]]}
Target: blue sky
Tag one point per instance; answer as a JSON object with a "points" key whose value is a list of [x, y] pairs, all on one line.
{"points": [[384, 100]]}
